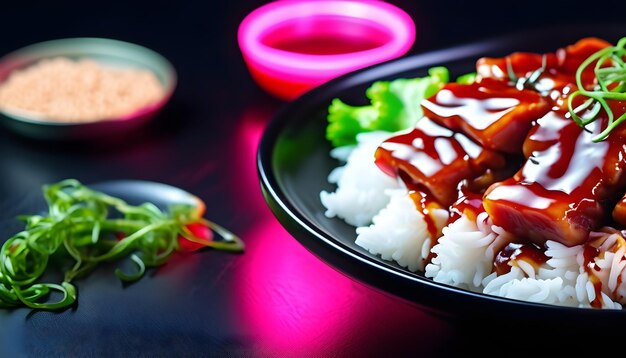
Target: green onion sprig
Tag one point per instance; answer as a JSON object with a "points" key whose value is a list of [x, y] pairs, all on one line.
{"points": [[84, 228], [610, 72]]}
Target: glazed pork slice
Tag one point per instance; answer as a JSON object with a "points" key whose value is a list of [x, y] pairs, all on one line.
{"points": [[433, 159], [559, 69], [521, 64], [563, 189], [619, 212], [492, 113]]}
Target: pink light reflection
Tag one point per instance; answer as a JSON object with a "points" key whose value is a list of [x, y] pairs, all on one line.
{"points": [[295, 303], [291, 297]]}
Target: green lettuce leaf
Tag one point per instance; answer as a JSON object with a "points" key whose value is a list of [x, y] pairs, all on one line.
{"points": [[395, 105], [467, 79]]}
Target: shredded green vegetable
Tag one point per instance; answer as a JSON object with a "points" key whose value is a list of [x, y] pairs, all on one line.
{"points": [[84, 228], [610, 72]]}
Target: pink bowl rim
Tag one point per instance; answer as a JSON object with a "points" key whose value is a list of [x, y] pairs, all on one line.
{"points": [[396, 21]]}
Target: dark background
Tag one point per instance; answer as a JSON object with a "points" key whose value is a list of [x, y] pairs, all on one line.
{"points": [[276, 299]]}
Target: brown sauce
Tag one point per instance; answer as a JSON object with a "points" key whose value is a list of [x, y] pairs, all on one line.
{"points": [[568, 183], [425, 205], [469, 204], [559, 192], [529, 253], [493, 114], [435, 159]]}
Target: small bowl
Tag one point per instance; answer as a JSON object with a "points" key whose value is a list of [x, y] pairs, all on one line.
{"points": [[291, 46], [109, 52]]}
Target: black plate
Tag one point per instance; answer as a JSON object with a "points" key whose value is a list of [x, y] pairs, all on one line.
{"points": [[294, 163]]}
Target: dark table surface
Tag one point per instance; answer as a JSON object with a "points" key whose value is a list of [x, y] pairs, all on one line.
{"points": [[276, 299]]}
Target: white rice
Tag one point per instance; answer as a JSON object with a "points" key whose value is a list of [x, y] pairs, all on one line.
{"points": [[465, 253], [517, 286], [400, 233], [554, 282], [609, 267], [389, 224], [361, 185]]}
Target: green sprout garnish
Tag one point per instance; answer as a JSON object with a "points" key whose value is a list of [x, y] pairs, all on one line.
{"points": [[610, 72], [84, 228]]}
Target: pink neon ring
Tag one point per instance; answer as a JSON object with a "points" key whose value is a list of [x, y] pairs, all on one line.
{"points": [[288, 73]]}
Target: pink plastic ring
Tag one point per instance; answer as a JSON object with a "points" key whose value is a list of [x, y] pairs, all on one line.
{"points": [[291, 46]]}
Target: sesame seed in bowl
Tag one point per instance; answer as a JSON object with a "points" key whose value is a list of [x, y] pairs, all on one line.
{"points": [[82, 88]]}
